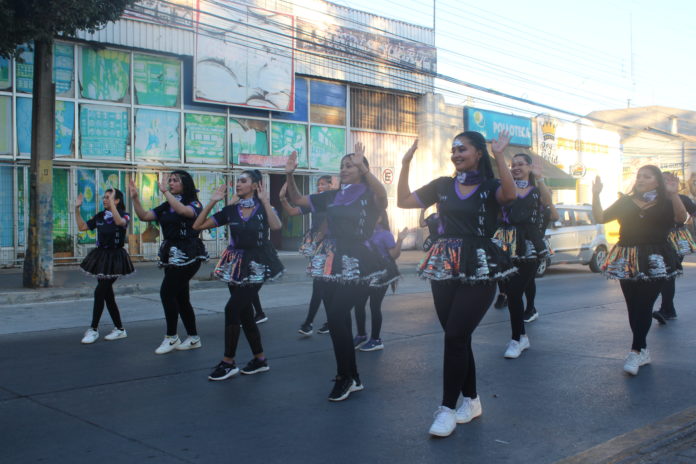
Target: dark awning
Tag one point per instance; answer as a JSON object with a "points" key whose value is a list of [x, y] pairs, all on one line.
{"points": [[555, 178]]}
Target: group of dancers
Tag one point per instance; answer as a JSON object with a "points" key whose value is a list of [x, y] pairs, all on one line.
{"points": [[487, 231]]}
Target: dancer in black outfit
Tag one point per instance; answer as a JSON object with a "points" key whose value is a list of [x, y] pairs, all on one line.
{"points": [[180, 255], [680, 238], [310, 243], [521, 236], [464, 262], [548, 214], [349, 267], [432, 222], [643, 259], [248, 262], [108, 261]]}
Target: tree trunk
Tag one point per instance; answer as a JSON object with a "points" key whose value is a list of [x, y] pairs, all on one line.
{"points": [[38, 260]]}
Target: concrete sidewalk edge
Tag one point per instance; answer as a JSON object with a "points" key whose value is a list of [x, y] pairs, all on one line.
{"points": [[636, 445]]}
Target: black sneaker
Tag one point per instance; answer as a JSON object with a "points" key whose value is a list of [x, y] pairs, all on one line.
{"points": [[659, 317], [531, 315], [501, 302], [223, 371], [324, 329], [306, 329], [357, 385], [255, 366], [260, 318], [341, 389]]}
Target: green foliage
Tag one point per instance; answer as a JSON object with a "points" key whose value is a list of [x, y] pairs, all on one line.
{"points": [[23, 21], [63, 243]]}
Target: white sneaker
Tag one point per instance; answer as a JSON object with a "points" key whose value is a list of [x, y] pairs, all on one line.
{"points": [[116, 334], [635, 360], [515, 348], [168, 344], [91, 336], [469, 410], [444, 423], [190, 343], [524, 342], [645, 357]]}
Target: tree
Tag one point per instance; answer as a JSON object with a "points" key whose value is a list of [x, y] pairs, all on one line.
{"points": [[40, 22]]}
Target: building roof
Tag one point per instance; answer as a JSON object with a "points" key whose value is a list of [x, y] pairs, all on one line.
{"points": [[652, 118]]}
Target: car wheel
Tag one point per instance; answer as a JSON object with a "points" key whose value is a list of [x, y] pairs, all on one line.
{"points": [[543, 266], [598, 258]]}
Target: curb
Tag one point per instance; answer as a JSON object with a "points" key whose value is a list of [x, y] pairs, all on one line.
{"points": [[642, 445]]}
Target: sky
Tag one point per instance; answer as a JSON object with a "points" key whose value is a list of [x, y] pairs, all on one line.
{"points": [[576, 56]]}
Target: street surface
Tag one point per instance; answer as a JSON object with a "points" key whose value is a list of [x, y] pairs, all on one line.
{"points": [[61, 401]]}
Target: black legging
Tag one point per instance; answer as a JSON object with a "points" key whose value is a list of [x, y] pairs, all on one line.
{"points": [[376, 295], [239, 310], [256, 303], [460, 308], [640, 297], [667, 292], [105, 293], [318, 295], [530, 293], [339, 300], [176, 300], [515, 289]]}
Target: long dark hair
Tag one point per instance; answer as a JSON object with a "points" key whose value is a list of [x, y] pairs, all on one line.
{"points": [[255, 176], [365, 162], [479, 142], [384, 220], [190, 193], [118, 195], [661, 189], [529, 161]]}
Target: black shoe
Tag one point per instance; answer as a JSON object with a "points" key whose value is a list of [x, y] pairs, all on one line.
{"points": [[260, 318], [324, 329], [255, 366], [501, 302], [531, 315], [306, 329], [659, 317], [669, 315], [357, 385], [223, 371], [342, 388]]}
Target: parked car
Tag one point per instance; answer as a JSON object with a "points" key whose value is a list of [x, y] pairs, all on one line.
{"points": [[575, 238]]}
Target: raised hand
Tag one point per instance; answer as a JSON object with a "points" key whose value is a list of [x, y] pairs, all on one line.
{"points": [[403, 234], [359, 156], [262, 193], [597, 186], [499, 146], [163, 184], [132, 189], [78, 201], [537, 170], [283, 191], [219, 193], [408, 156], [671, 183], [291, 163]]}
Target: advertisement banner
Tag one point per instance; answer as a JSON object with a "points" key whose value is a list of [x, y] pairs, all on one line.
{"points": [[157, 80], [243, 57], [328, 145], [91, 202], [248, 142], [6, 206], [61, 229], [5, 125], [204, 138], [24, 69], [65, 127], [157, 135], [24, 125], [103, 131], [21, 208], [110, 179], [64, 69], [150, 198], [206, 183], [492, 123], [105, 75], [286, 138], [5, 74]]}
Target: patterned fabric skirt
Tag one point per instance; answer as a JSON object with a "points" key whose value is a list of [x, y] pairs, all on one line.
{"points": [[682, 241], [107, 263], [249, 266], [520, 245], [642, 262], [309, 244], [351, 264], [472, 261], [182, 252]]}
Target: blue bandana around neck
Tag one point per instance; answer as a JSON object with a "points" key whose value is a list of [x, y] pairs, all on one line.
{"points": [[247, 202], [649, 196], [523, 184]]}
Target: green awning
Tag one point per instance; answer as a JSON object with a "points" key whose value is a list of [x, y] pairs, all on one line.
{"points": [[555, 178]]}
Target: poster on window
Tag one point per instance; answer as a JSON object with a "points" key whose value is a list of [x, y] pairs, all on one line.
{"points": [[5, 125], [105, 75], [244, 56], [249, 142], [65, 127], [110, 179], [157, 80], [62, 240], [286, 138], [156, 135], [6, 206], [24, 70], [204, 138], [103, 131], [21, 208], [150, 198], [5, 74], [207, 182], [24, 125], [328, 145], [91, 202], [63, 70]]}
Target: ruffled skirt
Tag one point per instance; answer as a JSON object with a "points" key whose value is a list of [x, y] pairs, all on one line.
{"points": [[107, 263], [520, 245], [309, 244], [642, 262], [182, 252], [354, 264], [680, 238], [472, 261], [249, 266]]}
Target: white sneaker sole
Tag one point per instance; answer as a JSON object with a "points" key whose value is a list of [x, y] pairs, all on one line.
{"points": [[375, 348], [436, 433], [231, 373], [466, 420], [185, 347], [532, 319], [118, 337], [167, 350], [88, 342], [306, 334], [256, 371]]}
